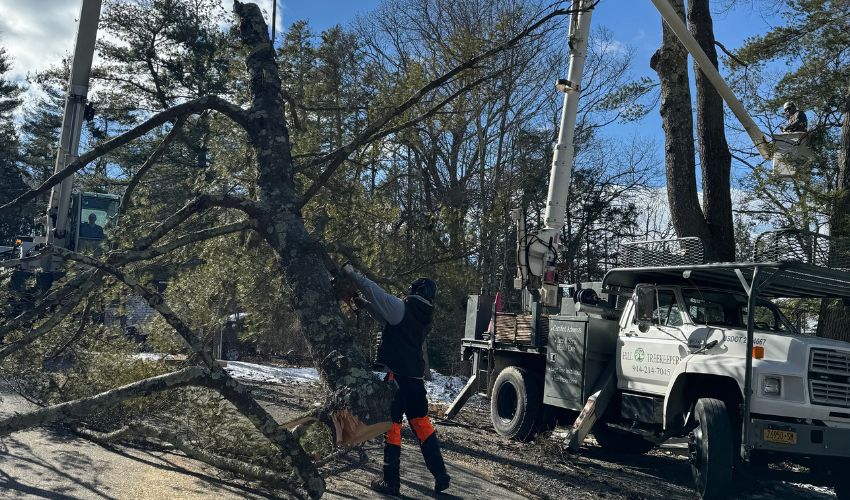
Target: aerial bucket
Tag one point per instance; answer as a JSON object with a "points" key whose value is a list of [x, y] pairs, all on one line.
{"points": [[791, 153]]}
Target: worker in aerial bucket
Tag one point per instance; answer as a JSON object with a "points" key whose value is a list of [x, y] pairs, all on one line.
{"points": [[795, 120], [406, 322]]}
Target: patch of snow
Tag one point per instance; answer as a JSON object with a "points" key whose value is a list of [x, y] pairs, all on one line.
{"points": [[444, 388], [270, 374], [441, 388]]}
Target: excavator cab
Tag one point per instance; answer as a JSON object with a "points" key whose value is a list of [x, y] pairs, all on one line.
{"points": [[92, 214]]}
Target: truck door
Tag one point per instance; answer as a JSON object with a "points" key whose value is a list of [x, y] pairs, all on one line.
{"points": [[647, 359]]}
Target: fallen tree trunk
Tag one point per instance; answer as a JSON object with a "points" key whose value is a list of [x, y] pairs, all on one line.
{"points": [[268, 476], [77, 409]]}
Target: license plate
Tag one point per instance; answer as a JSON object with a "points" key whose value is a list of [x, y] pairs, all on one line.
{"points": [[777, 436]]}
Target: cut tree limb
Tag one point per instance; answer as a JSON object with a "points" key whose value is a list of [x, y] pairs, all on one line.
{"points": [[234, 392], [77, 409], [141, 430]]}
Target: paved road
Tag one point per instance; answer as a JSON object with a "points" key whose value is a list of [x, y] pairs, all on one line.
{"points": [[45, 464]]}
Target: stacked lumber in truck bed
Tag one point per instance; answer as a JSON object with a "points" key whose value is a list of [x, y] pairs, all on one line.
{"points": [[519, 328]]}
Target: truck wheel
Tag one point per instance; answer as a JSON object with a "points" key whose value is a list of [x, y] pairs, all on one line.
{"points": [[620, 441], [515, 403], [710, 449]]}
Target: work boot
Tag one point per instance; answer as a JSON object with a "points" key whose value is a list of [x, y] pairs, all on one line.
{"points": [[441, 483], [392, 462], [434, 462], [384, 488]]}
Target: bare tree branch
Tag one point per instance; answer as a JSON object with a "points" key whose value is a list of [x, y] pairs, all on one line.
{"points": [[336, 158], [127, 198], [77, 409], [186, 239], [729, 53], [200, 204], [195, 106]]}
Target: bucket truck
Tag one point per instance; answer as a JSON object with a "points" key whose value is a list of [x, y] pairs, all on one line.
{"points": [[669, 345]]}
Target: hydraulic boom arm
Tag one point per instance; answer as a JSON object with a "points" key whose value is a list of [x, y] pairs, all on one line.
{"points": [[537, 253]]}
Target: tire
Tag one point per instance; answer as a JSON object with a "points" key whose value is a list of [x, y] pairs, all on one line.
{"points": [[516, 403], [710, 449], [611, 439]]}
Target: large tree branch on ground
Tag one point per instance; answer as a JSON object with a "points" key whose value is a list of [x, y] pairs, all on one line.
{"points": [[127, 197], [236, 393], [77, 409], [195, 106], [333, 160], [271, 477]]}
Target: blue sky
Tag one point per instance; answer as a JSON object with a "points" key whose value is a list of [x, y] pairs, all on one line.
{"points": [[38, 33]]}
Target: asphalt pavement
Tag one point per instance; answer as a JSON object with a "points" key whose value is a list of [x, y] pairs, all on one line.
{"points": [[45, 464]]}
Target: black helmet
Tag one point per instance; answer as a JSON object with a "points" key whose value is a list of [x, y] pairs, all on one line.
{"points": [[425, 288]]}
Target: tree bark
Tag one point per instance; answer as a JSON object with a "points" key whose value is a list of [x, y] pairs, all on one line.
{"points": [[715, 158], [671, 64], [834, 315], [342, 366], [77, 409]]}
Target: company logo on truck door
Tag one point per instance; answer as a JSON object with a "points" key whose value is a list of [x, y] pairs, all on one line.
{"points": [[640, 356]]}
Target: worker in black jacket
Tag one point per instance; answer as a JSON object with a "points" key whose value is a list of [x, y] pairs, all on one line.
{"points": [[406, 324], [796, 120]]}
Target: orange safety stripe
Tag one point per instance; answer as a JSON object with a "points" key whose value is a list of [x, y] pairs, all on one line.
{"points": [[422, 427], [394, 434]]}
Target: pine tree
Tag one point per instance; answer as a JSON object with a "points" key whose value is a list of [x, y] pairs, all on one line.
{"points": [[11, 181]]}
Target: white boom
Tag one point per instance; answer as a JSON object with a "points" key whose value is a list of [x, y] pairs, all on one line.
{"points": [[537, 253], [78, 86]]}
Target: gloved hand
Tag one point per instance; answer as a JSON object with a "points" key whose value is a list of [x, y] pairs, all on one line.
{"points": [[347, 268]]}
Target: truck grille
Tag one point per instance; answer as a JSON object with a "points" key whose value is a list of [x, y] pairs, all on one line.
{"points": [[830, 393], [829, 378], [834, 362]]}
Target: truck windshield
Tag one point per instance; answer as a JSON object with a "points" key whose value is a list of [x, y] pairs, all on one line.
{"points": [[729, 309]]}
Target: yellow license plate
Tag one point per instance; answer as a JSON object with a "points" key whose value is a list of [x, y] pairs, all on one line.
{"points": [[777, 436]]}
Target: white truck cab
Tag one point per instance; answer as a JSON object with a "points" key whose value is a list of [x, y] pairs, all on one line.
{"points": [[655, 352]]}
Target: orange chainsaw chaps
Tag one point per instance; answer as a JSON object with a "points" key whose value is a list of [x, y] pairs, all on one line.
{"points": [[422, 427], [394, 434]]}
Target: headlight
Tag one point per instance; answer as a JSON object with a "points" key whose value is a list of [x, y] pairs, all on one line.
{"points": [[771, 386]]}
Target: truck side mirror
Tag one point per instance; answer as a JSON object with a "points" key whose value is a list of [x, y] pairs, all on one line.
{"points": [[644, 298]]}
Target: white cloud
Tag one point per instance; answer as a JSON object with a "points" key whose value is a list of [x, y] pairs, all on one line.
{"points": [[37, 33]]}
